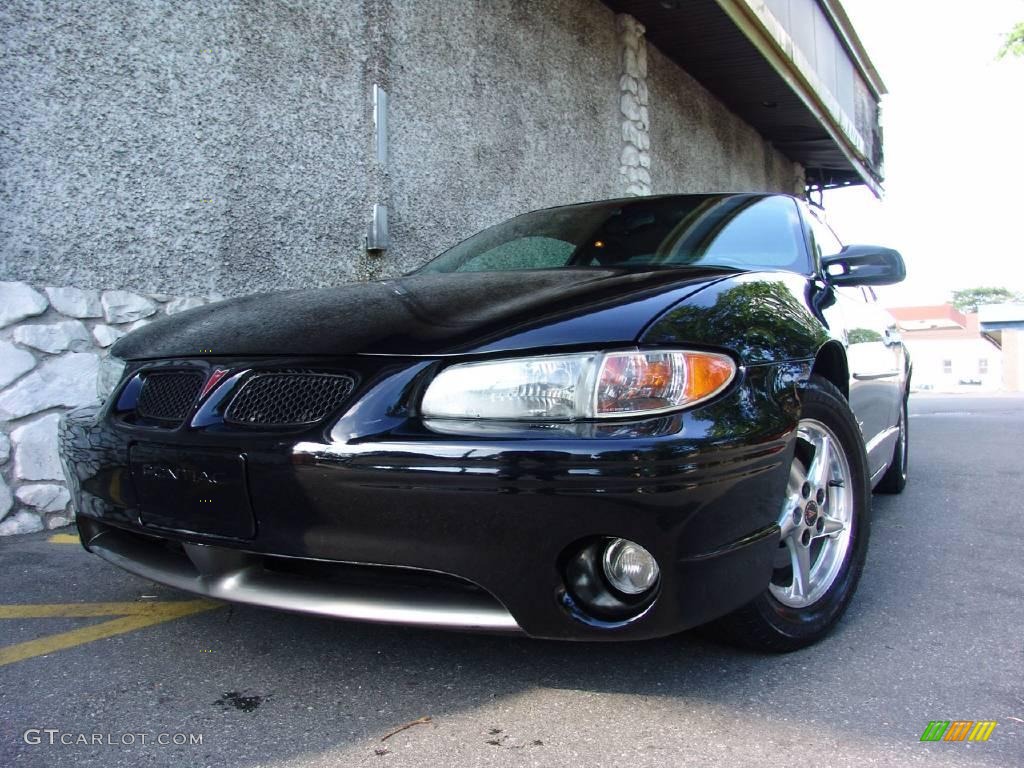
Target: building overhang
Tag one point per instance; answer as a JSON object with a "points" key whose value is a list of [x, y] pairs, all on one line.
{"points": [[795, 70], [994, 319]]}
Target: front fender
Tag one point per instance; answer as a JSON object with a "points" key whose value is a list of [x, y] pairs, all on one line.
{"points": [[761, 317]]}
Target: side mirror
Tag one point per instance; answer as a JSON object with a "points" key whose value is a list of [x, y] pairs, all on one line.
{"points": [[865, 265]]}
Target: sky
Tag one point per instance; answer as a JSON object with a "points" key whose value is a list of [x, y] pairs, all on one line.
{"points": [[953, 125]]}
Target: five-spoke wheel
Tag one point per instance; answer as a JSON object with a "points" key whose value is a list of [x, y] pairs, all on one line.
{"points": [[815, 518], [824, 525]]}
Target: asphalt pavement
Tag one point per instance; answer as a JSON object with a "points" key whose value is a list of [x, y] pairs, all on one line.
{"points": [[936, 632]]}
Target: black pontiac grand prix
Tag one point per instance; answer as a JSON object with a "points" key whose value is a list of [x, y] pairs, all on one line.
{"points": [[606, 421]]}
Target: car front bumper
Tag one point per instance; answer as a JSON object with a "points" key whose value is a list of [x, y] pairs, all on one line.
{"points": [[381, 523]]}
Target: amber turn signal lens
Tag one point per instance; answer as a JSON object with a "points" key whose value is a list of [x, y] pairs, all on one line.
{"points": [[706, 374], [646, 382]]}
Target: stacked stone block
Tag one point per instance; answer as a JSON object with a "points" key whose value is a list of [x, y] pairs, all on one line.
{"points": [[51, 343]]}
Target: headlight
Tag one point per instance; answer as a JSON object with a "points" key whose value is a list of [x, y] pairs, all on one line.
{"points": [[581, 386], [109, 375]]}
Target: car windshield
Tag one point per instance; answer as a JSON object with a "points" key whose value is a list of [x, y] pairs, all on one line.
{"points": [[740, 231]]}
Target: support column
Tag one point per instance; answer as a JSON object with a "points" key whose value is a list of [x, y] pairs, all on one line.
{"points": [[635, 159]]}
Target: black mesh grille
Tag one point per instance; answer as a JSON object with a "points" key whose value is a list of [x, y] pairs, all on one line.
{"points": [[169, 396], [288, 398]]}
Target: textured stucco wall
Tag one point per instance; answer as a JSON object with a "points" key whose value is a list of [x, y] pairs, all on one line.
{"points": [[201, 147], [497, 109], [181, 147], [697, 145]]}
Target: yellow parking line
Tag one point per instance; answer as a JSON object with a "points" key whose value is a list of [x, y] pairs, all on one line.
{"points": [[64, 538], [139, 615], [85, 610]]}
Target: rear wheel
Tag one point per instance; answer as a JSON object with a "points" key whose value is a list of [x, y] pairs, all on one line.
{"points": [[895, 478], [824, 527]]}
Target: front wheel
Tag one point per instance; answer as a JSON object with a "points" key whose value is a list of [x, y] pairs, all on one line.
{"points": [[824, 523]]}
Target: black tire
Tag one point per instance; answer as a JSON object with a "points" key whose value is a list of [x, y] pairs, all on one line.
{"points": [[895, 478], [766, 624]]}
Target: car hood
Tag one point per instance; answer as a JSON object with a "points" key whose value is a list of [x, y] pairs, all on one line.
{"points": [[427, 314]]}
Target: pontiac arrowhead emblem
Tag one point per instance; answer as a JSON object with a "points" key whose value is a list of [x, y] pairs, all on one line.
{"points": [[215, 377]]}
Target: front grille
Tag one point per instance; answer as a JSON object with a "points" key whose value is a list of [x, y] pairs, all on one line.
{"points": [[288, 398], [169, 396]]}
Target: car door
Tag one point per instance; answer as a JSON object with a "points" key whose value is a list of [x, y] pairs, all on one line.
{"points": [[891, 354], [874, 372], [873, 353]]}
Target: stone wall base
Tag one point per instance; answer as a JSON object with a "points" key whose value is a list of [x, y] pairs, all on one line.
{"points": [[51, 343]]}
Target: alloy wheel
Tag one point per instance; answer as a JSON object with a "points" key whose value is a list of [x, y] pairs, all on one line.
{"points": [[816, 518]]}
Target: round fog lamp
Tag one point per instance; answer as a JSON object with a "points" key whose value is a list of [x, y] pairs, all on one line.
{"points": [[630, 568]]}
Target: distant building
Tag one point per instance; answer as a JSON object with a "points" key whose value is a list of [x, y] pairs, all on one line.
{"points": [[1003, 325], [954, 351]]}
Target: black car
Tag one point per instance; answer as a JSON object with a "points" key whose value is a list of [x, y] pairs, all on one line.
{"points": [[606, 421]]}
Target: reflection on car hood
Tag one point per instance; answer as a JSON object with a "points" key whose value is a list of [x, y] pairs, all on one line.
{"points": [[428, 314]]}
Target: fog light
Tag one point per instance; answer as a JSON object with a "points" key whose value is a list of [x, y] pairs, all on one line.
{"points": [[629, 568]]}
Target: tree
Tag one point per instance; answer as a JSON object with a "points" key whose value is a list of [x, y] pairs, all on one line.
{"points": [[1014, 43], [969, 299]]}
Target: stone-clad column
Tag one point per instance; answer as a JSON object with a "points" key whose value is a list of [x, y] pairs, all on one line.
{"points": [[635, 160]]}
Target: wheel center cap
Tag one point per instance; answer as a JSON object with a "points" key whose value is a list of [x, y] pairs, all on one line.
{"points": [[810, 513]]}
